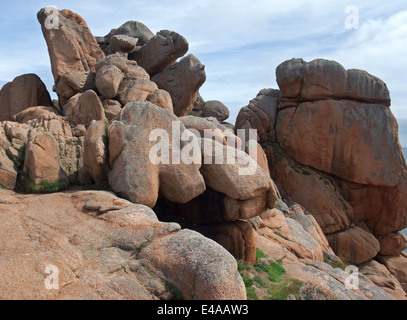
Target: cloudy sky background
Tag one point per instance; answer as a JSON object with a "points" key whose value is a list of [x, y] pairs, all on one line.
{"points": [[241, 42]]}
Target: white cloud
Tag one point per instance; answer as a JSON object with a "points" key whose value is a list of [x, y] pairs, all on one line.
{"points": [[380, 47]]}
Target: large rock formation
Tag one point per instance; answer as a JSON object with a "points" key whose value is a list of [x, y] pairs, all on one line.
{"points": [[96, 246], [71, 45], [161, 52], [332, 144], [138, 171], [215, 109], [22, 93], [122, 125], [182, 81]]}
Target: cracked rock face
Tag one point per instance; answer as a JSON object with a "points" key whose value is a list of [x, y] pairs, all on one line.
{"points": [[333, 147], [22, 93], [182, 81], [161, 52], [133, 173], [71, 44], [106, 248]]}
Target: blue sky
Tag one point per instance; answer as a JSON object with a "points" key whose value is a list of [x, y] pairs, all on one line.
{"points": [[241, 42]]}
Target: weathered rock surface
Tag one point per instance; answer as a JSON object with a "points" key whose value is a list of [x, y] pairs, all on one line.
{"points": [[393, 244], [124, 80], [344, 138], [323, 79], [381, 277], [397, 266], [34, 113], [22, 93], [224, 170], [71, 44], [112, 108], [354, 245], [332, 281], [216, 109], [332, 146], [104, 248], [122, 43], [83, 108], [236, 237], [138, 172], [14, 148], [290, 234], [161, 52], [210, 128], [134, 29], [311, 189], [74, 82], [182, 81], [42, 161], [261, 115], [382, 208], [198, 104], [196, 265], [95, 157], [162, 99]]}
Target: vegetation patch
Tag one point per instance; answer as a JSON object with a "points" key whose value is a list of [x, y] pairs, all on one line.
{"points": [[251, 294], [283, 291], [259, 254], [176, 293], [46, 187], [276, 271], [334, 264], [267, 281]]}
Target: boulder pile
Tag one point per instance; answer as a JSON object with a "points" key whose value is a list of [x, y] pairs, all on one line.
{"points": [[325, 182]]}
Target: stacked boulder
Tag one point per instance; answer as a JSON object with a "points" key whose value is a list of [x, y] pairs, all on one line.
{"points": [[332, 145], [126, 86], [100, 131], [125, 120]]}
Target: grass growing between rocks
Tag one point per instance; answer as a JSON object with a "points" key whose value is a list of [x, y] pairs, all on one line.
{"points": [[176, 293], [267, 280], [46, 187], [334, 264]]}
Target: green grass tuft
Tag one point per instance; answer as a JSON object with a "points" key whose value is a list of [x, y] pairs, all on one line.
{"points": [[45, 186], [175, 291], [251, 294], [52, 187], [259, 254], [242, 266], [334, 264], [260, 282], [286, 288], [247, 282], [276, 271]]}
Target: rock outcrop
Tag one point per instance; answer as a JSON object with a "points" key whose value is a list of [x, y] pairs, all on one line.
{"points": [[138, 173], [71, 45], [324, 185], [332, 145], [215, 109], [161, 52], [101, 247], [22, 93], [182, 81]]}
